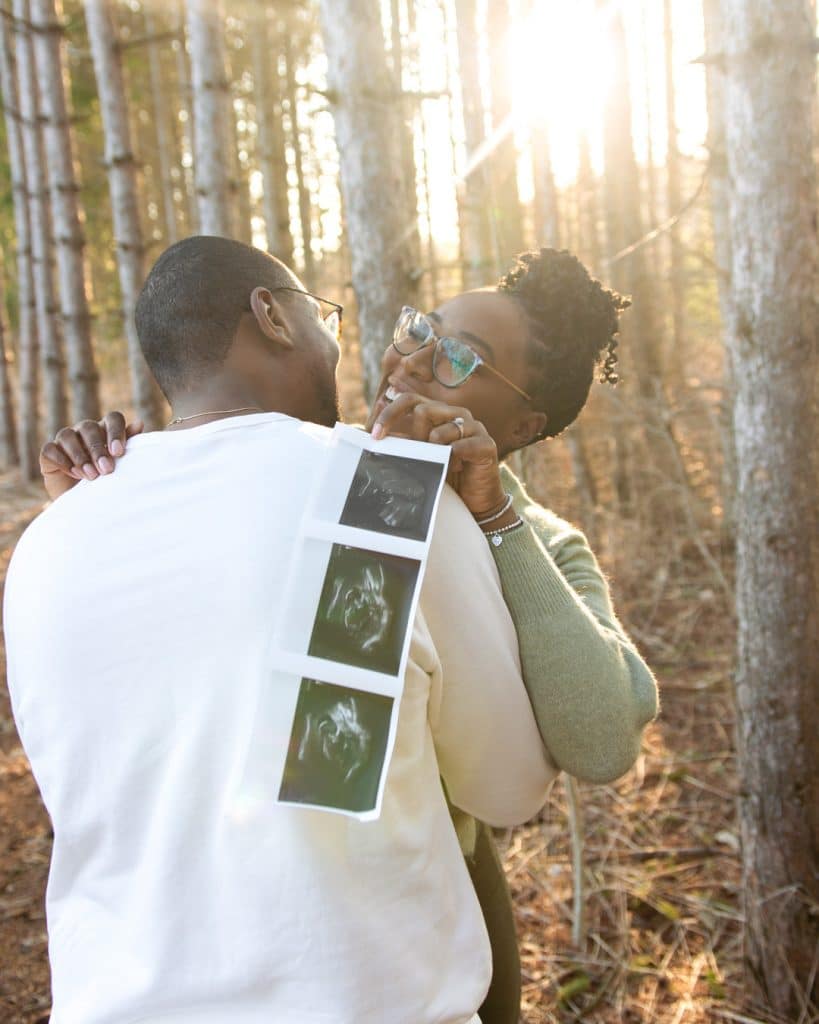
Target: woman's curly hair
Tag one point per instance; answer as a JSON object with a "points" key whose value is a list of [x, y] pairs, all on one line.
{"points": [[574, 320]]}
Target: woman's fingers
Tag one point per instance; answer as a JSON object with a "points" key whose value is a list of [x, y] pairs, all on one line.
{"points": [[72, 442], [94, 437], [417, 417], [113, 426], [473, 470], [57, 470]]}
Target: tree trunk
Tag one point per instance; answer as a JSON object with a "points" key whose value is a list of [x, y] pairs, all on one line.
{"points": [[27, 376], [372, 187], [271, 151], [588, 208], [165, 148], [212, 113], [476, 238], [121, 165], [239, 172], [720, 192], [9, 455], [547, 219], [49, 59], [770, 91], [49, 329], [305, 199], [631, 273], [503, 164], [185, 136], [673, 206]]}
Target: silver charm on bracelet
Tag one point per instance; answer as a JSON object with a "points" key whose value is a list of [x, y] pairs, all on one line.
{"points": [[496, 536]]}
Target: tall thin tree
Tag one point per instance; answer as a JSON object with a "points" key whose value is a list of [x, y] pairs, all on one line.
{"points": [[720, 193], [49, 327], [476, 237], [165, 147], [297, 144], [8, 432], [121, 164], [360, 89], [271, 151], [27, 368], [212, 114], [674, 202], [770, 96], [503, 164], [63, 187]]}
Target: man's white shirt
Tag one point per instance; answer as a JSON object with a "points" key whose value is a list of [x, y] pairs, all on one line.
{"points": [[138, 611]]}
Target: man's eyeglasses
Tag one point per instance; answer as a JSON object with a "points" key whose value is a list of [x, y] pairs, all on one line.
{"points": [[332, 319], [453, 361]]}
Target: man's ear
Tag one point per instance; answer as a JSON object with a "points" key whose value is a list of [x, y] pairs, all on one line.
{"points": [[270, 317]]}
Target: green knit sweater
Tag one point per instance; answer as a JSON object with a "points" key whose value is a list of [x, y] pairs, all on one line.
{"points": [[591, 692]]}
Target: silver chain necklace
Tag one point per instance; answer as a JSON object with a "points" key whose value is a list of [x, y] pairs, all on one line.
{"points": [[213, 412]]}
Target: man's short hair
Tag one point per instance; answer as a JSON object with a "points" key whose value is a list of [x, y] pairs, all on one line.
{"points": [[189, 308]]}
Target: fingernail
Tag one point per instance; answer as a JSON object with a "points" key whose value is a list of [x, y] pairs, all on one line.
{"points": [[117, 448], [76, 473], [90, 472], [378, 432], [105, 465]]}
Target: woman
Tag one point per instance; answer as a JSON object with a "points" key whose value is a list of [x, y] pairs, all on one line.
{"points": [[490, 372]]}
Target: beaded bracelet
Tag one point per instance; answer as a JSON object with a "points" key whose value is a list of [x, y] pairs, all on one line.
{"points": [[504, 509], [496, 536]]}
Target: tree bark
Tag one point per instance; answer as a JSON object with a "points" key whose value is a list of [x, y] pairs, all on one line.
{"points": [[271, 150], [372, 187], [476, 237], [49, 59], [305, 199], [27, 368], [720, 194], [165, 146], [121, 166], [49, 329], [503, 164], [9, 455], [631, 273], [547, 218], [770, 90], [212, 113], [673, 205]]}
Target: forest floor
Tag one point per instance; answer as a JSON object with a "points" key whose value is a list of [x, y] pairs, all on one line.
{"points": [[662, 874]]}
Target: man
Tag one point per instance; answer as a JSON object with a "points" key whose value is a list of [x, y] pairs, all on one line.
{"points": [[180, 890]]}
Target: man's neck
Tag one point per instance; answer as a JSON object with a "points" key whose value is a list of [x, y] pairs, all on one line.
{"points": [[194, 408]]}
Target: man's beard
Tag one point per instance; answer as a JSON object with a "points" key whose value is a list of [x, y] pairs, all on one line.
{"points": [[327, 410]]}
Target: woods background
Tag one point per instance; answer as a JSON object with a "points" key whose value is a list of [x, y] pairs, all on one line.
{"points": [[398, 153]]}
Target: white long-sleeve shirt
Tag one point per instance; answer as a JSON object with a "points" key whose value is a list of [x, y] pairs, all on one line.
{"points": [[137, 614]]}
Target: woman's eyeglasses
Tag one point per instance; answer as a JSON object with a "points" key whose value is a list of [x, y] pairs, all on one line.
{"points": [[332, 320], [453, 361]]}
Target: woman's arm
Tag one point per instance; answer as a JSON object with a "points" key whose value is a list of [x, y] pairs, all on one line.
{"points": [[591, 691]]}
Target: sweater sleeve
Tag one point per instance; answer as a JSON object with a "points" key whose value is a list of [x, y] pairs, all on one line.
{"points": [[591, 692]]}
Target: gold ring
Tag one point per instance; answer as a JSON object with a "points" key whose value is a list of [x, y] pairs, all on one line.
{"points": [[459, 423]]}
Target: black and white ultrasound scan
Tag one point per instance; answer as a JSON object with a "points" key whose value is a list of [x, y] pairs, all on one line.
{"points": [[337, 749], [392, 494], [364, 608]]}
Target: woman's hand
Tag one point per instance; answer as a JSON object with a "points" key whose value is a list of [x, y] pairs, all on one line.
{"points": [[474, 470], [85, 451]]}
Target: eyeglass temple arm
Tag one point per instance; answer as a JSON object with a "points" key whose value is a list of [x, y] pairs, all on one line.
{"points": [[506, 380]]}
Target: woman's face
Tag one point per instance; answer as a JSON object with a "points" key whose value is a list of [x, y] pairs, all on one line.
{"points": [[493, 325]]}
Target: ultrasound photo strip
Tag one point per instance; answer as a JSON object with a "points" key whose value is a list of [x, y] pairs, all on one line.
{"points": [[348, 616]]}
